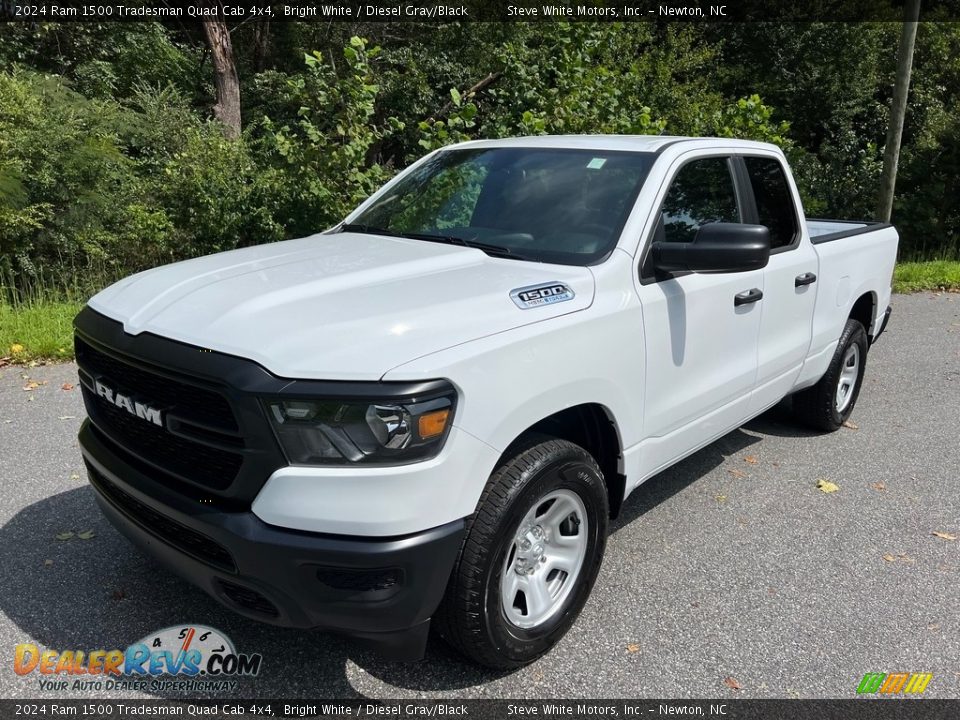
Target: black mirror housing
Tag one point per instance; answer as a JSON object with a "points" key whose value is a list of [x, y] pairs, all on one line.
{"points": [[717, 247]]}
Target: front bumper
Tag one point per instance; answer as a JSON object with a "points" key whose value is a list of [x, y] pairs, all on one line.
{"points": [[382, 590]]}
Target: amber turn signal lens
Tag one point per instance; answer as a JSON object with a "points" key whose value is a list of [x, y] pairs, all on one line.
{"points": [[433, 423]]}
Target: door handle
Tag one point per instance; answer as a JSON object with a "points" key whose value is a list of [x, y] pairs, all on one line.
{"points": [[747, 297], [804, 279]]}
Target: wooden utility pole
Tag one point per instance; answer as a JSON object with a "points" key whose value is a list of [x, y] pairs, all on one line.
{"points": [[227, 108], [898, 109]]}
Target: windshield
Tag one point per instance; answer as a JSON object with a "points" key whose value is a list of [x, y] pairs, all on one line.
{"points": [[548, 205]]}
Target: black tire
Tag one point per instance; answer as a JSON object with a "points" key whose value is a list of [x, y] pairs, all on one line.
{"points": [[471, 617], [817, 405]]}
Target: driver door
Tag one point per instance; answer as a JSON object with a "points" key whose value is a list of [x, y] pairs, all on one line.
{"points": [[701, 343]]}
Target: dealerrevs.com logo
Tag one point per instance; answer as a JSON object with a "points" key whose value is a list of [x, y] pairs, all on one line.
{"points": [[894, 683], [186, 658]]}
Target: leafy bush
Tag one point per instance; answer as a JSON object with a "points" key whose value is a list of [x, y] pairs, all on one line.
{"points": [[91, 190], [69, 188], [323, 160]]}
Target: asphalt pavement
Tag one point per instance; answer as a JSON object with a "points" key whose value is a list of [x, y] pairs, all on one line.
{"points": [[730, 569]]}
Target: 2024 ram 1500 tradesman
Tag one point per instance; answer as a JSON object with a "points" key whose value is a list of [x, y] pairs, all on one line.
{"points": [[430, 412]]}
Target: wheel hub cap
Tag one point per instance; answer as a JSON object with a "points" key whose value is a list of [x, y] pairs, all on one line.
{"points": [[849, 372], [530, 550], [544, 560]]}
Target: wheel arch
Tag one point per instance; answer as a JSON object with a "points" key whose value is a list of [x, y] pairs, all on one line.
{"points": [[593, 427], [864, 310]]}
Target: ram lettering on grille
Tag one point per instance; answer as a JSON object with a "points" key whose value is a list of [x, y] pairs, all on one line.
{"points": [[137, 409]]}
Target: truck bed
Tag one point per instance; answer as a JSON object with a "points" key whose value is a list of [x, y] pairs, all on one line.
{"points": [[822, 230]]}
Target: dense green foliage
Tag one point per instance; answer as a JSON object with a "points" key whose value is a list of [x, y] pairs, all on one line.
{"points": [[110, 163]]}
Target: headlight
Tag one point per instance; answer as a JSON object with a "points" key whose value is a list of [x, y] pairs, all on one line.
{"points": [[338, 432]]}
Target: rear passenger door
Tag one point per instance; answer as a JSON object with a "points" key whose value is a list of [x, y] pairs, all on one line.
{"points": [[789, 285]]}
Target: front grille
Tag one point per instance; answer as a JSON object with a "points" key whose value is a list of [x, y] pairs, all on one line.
{"points": [[195, 460], [169, 531], [248, 599], [191, 402], [209, 466]]}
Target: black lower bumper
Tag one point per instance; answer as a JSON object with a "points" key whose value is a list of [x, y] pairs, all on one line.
{"points": [[883, 324], [382, 590]]}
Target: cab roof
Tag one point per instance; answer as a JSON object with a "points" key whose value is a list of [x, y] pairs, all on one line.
{"points": [[633, 143]]}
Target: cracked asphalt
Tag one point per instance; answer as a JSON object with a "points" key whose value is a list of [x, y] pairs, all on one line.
{"points": [[732, 564]]}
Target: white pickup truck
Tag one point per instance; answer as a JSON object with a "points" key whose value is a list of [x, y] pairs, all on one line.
{"points": [[431, 411]]}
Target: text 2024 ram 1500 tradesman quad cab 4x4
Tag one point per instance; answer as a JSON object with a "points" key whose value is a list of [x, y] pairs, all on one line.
{"points": [[430, 412]]}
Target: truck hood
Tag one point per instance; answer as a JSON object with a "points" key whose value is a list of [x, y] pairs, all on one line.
{"points": [[342, 306]]}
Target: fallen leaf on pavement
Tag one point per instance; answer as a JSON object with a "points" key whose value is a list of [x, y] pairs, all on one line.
{"points": [[851, 425], [943, 535], [752, 459], [74, 476], [633, 647], [878, 486], [933, 626], [86, 534], [732, 683], [824, 485], [737, 473], [720, 498], [66, 386], [64, 535], [118, 595], [889, 558], [31, 386], [47, 563]]}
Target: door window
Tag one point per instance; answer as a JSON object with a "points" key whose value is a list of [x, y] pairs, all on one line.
{"points": [[775, 207], [702, 192]]}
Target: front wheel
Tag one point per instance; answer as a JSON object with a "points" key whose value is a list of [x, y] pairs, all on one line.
{"points": [[828, 404], [530, 557]]}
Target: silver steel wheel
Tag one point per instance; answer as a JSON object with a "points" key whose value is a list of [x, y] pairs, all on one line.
{"points": [[849, 372], [544, 560]]}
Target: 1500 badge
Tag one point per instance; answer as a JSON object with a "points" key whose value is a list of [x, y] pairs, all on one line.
{"points": [[544, 294]]}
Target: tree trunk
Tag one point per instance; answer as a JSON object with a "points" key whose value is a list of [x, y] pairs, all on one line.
{"points": [[261, 45], [898, 109], [227, 109]]}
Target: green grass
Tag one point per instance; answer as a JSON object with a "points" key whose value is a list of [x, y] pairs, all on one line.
{"points": [[43, 329], [929, 275], [37, 330]]}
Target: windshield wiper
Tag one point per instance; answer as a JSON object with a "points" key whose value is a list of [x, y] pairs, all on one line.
{"points": [[360, 228], [488, 248]]}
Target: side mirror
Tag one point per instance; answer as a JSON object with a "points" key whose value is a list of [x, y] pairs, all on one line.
{"points": [[717, 247]]}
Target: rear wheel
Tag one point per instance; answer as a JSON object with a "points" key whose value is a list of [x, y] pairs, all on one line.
{"points": [[530, 557], [828, 404]]}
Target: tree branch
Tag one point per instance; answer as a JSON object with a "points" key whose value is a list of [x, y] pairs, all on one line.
{"points": [[489, 80]]}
